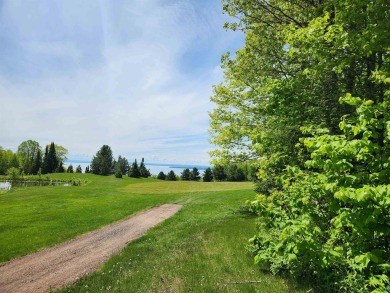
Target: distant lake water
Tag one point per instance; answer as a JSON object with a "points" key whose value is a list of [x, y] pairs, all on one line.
{"points": [[154, 168]]}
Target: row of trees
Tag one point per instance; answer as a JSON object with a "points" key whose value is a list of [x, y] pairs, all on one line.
{"points": [[30, 159], [306, 102], [104, 164], [228, 172]]}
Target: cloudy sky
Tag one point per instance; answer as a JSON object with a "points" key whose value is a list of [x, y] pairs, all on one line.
{"points": [[136, 75]]}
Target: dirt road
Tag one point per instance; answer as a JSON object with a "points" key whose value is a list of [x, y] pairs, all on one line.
{"points": [[60, 265]]}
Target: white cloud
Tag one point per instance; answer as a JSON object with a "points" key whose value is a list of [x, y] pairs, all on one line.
{"points": [[135, 98]]}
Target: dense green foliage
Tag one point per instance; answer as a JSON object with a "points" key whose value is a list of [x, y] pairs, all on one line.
{"points": [[30, 160], [145, 173], [122, 164], [161, 176], [171, 176], [207, 175], [102, 162], [324, 193], [185, 174], [134, 171]]}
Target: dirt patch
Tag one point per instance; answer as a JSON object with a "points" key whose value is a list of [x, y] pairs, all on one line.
{"points": [[63, 264]]}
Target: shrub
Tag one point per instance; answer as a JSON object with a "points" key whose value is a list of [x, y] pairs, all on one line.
{"points": [[331, 221], [13, 173]]}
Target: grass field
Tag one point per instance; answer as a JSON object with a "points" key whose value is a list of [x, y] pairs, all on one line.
{"points": [[200, 249]]}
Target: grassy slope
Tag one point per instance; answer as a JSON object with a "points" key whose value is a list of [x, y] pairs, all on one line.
{"points": [[201, 249]]}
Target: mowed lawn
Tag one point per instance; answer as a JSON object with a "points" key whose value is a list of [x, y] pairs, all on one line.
{"points": [[200, 249]]}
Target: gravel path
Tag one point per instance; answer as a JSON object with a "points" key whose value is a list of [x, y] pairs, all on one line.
{"points": [[63, 264]]}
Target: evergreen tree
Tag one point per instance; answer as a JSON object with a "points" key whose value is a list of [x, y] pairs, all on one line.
{"points": [[118, 172], [207, 175], [234, 173], [37, 163], [70, 169], [186, 174], [102, 163], [195, 175], [123, 165], [161, 176], [171, 176], [52, 159], [60, 168], [143, 171], [45, 164], [78, 169], [134, 170], [219, 173], [86, 169]]}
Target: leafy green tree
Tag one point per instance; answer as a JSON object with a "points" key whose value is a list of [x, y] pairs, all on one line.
{"points": [[69, 169], [8, 159], [78, 169], [333, 212], [171, 176], [27, 152], [219, 173], [195, 175], [13, 173], [102, 162], [61, 153], [161, 176], [143, 171], [299, 58], [207, 175], [134, 170], [186, 174]]}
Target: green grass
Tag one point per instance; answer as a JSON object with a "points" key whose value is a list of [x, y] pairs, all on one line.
{"points": [[200, 249]]}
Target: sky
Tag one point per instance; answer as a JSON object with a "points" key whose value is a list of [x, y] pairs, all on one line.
{"points": [[135, 75]]}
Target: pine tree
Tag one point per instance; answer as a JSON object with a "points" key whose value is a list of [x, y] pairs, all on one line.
{"points": [[194, 175], [143, 171], [161, 176], [102, 163], [219, 173], [134, 170], [37, 164], [60, 168], [52, 160], [45, 163], [171, 176], [186, 174], [86, 169], [78, 169], [207, 175], [70, 169]]}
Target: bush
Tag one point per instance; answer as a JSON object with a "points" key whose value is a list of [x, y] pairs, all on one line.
{"points": [[13, 173], [333, 218], [118, 173]]}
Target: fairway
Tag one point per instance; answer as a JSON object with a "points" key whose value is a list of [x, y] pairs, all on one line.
{"points": [[201, 249]]}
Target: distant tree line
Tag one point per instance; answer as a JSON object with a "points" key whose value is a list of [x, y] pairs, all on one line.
{"points": [[227, 172], [104, 164], [29, 159]]}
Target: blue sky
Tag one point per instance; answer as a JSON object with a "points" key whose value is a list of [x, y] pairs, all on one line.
{"points": [[136, 75]]}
